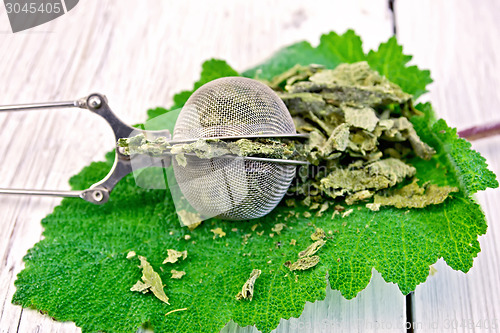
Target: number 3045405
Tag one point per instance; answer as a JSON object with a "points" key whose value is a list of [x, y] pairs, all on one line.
{"points": [[33, 8]]}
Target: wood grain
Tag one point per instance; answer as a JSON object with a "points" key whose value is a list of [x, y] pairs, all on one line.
{"points": [[140, 53], [459, 42]]}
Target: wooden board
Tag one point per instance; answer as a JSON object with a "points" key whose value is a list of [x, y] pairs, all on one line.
{"points": [[139, 53], [459, 41]]}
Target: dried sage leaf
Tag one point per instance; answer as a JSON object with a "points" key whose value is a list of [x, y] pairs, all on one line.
{"points": [[373, 206], [312, 249], [414, 196], [248, 288], [361, 195], [303, 263], [338, 140], [190, 219], [363, 117], [151, 281]]}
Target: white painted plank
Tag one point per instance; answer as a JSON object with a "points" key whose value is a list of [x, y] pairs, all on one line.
{"points": [[378, 308], [375, 309], [139, 53], [459, 42]]}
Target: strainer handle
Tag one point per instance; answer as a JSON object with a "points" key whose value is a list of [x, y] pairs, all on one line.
{"points": [[123, 165]]}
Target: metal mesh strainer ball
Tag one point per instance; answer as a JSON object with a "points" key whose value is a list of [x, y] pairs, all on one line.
{"points": [[233, 189]]}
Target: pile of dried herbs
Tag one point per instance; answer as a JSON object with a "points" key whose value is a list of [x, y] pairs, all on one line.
{"points": [[359, 134]]}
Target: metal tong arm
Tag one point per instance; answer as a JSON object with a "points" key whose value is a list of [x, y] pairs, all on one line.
{"points": [[40, 106], [99, 192]]}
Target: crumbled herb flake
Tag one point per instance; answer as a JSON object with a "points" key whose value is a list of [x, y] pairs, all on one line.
{"points": [[246, 237], [152, 281], [141, 287], [278, 228], [189, 219], [373, 206], [312, 249], [318, 234], [357, 196], [177, 274], [347, 213], [314, 206], [174, 255], [218, 232], [248, 288], [323, 208], [181, 159], [303, 263]]}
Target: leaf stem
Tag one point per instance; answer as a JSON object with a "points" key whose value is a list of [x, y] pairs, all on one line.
{"points": [[480, 131], [176, 310]]}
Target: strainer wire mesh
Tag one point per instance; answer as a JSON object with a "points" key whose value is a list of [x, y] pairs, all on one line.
{"points": [[234, 189]]}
